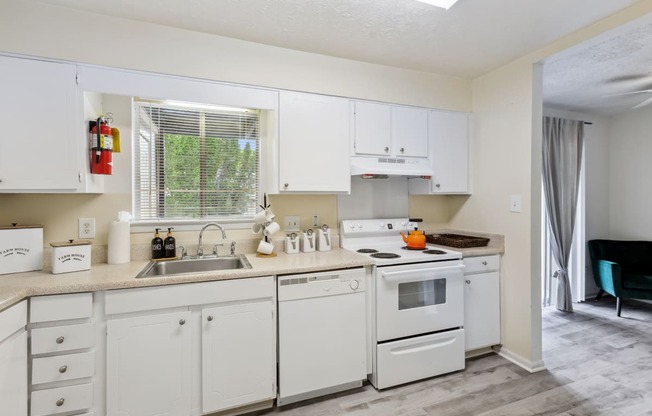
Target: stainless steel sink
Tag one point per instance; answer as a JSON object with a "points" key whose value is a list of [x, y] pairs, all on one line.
{"points": [[194, 265]]}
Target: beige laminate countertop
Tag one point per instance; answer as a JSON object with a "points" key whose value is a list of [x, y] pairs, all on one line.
{"points": [[102, 276]]}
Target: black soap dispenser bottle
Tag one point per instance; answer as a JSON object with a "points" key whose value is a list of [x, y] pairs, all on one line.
{"points": [[158, 252], [170, 245]]}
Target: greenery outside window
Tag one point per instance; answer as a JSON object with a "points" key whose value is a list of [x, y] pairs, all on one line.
{"points": [[195, 162]]}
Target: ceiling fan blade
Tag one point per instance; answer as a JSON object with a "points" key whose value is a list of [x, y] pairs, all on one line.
{"points": [[627, 93], [643, 104]]}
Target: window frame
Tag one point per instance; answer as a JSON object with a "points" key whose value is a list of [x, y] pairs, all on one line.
{"points": [[191, 224]]}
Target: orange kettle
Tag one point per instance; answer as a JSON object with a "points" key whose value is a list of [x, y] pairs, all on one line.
{"points": [[416, 240]]}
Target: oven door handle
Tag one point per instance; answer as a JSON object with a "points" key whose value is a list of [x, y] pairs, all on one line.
{"points": [[416, 275]]}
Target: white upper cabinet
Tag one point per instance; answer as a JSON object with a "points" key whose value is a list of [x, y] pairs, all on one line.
{"points": [[448, 134], [314, 133], [372, 128], [390, 130], [410, 131], [39, 148]]}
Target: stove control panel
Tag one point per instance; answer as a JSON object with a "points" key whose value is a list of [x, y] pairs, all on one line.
{"points": [[376, 226]]}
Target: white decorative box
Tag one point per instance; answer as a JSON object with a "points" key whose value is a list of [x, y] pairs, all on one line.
{"points": [[21, 248], [71, 256]]}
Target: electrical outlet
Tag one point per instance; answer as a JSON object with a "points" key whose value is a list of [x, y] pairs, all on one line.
{"points": [[87, 228], [515, 203], [291, 223], [315, 221]]}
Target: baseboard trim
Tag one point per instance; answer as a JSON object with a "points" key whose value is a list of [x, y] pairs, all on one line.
{"points": [[528, 365]]}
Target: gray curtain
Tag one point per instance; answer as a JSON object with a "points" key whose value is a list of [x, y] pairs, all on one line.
{"points": [[563, 141]]}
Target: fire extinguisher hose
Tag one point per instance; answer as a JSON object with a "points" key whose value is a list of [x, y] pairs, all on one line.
{"points": [[98, 128]]}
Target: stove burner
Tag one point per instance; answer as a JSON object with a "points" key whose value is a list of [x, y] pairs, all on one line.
{"points": [[385, 256], [434, 252], [367, 250], [411, 248]]}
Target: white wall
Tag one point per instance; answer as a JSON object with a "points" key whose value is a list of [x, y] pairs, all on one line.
{"points": [[630, 149]]}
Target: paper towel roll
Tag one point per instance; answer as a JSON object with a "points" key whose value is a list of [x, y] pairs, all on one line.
{"points": [[119, 243]]}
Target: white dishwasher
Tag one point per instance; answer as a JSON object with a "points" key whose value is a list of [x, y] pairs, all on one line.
{"points": [[321, 333]]}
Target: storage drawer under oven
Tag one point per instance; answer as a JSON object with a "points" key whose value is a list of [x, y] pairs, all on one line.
{"points": [[417, 358]]}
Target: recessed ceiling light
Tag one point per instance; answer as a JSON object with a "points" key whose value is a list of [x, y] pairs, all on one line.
{"points": [[444, 4]]}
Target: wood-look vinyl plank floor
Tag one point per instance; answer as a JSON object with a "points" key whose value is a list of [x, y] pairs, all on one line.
{"points": [[596, 364]]}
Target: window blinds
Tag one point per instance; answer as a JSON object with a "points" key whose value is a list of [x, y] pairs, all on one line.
{"points": [[194, 161]]}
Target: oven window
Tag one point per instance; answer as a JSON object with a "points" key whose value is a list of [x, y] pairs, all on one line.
{"points": [[420, 294]]}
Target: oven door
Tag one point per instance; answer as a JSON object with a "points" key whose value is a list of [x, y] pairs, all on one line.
{"points": [[415, 299]]}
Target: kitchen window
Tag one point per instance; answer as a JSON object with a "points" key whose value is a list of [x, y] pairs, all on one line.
{"points": [[195, 162]]}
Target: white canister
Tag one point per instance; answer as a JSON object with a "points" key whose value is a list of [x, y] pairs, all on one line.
{"points": [[21, 248], [324, 238], [292, 243], [308, 241], [71, 256]]}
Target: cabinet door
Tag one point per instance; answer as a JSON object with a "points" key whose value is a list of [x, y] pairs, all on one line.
{"points": [[238, 355], [13, 376], [481, 310], [314, 143], [38, 145], [148, 365], [449, 151], [410, 131], [372, 129]]}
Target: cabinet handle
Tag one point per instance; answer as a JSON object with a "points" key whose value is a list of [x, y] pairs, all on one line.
{"points": [[468, 282], [209, 318], [182, 321], [402, 149], [285, 185], [60, 340], [386, 149], [60, 402], [63, 369], [484, 263], [437, 185]]}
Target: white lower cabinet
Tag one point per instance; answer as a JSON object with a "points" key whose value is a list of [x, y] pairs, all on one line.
{"points": [[62, 354], [238, 360], [481, 302], [13, 360], [193, 349], [148, 365]]}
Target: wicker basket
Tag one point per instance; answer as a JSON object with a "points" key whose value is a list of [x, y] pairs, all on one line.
{"points": [[457, 240]]}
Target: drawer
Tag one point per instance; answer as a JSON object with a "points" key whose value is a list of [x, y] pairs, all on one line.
{"points": [[417, 358], [13, 319], [62, 338], [63, 367], [61, 307], [481, 264], [62, 399]]}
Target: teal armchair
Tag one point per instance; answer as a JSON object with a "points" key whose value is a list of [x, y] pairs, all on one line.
{"points": [[622, 268]]}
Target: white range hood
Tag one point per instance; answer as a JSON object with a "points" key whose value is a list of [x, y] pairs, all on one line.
{"points": [[391, 166]]}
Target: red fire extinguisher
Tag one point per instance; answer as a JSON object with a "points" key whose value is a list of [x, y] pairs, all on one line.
{"points": [[101, 148]]}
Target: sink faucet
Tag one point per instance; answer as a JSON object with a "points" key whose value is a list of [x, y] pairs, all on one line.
{"points": [[200, 249]]}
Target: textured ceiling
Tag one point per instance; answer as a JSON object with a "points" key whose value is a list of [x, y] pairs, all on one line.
{"points": [[604, 75], [470, 39]]}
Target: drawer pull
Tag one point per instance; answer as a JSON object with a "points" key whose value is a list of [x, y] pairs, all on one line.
{"points": [[468, 282], [60, 340], [60, 402], [209, 318], [182, 321], [63, 369], [484, 263]]}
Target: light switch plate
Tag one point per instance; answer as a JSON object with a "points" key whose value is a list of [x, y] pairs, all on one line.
{"points": [[291, 223], [515, 203]]}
